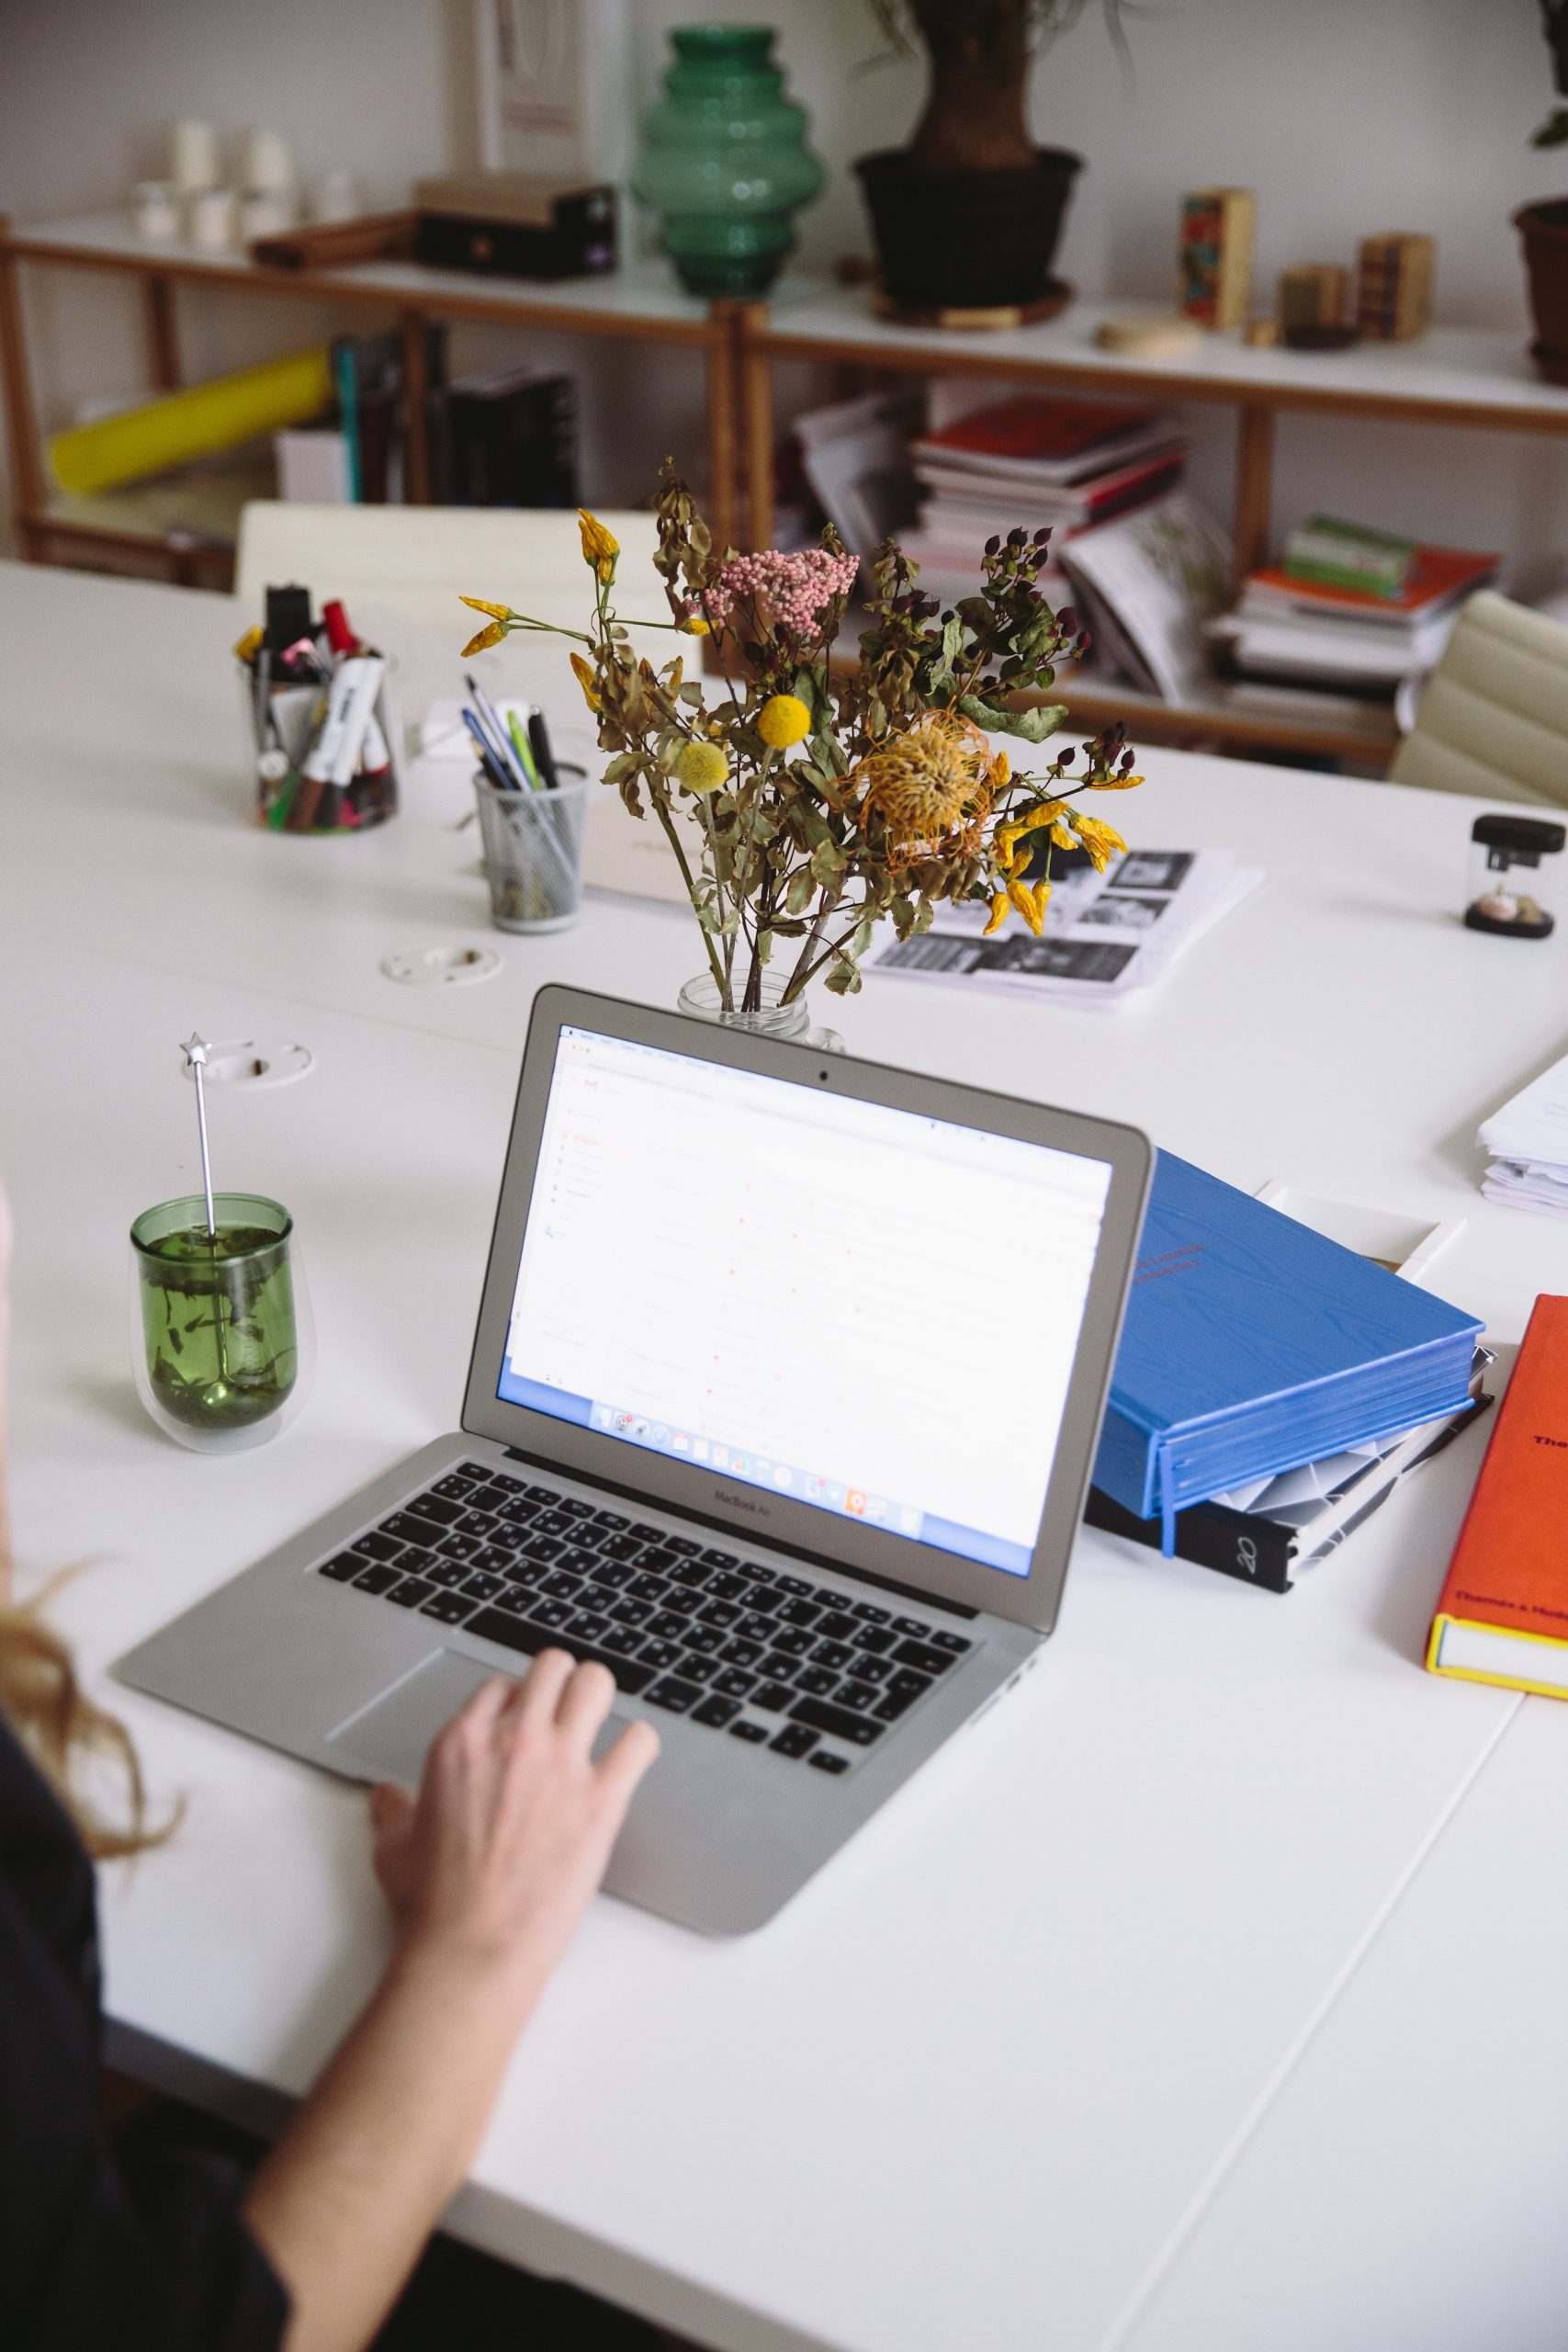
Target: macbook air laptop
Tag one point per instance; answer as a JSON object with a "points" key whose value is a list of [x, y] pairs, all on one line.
{"points": [[787, 1382]]}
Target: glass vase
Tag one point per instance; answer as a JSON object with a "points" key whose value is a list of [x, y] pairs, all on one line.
{"points": [[723, 161], [221, 1332], [791, 1024]]}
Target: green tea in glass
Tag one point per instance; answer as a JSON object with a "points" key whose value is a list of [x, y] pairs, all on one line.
{"points": [[220, 1329]]}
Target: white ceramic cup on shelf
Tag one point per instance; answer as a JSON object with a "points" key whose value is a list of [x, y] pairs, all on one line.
{"points": [[337, 196], [155, 209], [193, 155], [212, 216], [267, 163], [266, 212]]}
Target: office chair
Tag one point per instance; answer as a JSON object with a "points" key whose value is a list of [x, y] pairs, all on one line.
{"points": [[1493, 721]]}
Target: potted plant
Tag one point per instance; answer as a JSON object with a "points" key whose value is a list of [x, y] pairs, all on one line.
{"points": [[967, 216], [818, 805], [1544, 226]]}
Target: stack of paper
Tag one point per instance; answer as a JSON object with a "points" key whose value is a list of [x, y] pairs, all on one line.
{"points": [[1106, 936], [1527, 1141]]}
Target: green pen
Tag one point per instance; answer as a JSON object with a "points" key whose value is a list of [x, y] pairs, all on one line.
{"points": [[523, 750]]}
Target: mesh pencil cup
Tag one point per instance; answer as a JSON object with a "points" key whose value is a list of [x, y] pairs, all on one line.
{"points": [[533, 853]]}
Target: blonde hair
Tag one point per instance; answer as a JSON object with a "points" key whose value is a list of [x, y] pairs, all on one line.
{"points": [[63, 1731]]}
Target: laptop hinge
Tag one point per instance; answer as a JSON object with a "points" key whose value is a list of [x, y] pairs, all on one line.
{"points": [[772, 1544]]}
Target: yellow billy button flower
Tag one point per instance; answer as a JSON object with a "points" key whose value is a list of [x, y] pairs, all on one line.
{"points": [[585, 679], [599, 546], [784, 719], [492, 634], [701, 768], [694, 625], [1101, 840]]}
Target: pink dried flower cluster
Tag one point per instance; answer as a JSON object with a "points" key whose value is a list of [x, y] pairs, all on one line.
{"points": [[794, 587]]}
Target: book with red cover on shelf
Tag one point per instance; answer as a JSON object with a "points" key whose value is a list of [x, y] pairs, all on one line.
{"points": [[1036, 437]]}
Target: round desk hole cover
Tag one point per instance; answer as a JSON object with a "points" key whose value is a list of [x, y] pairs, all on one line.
{"points": [[256, 1061], [427, 968]]}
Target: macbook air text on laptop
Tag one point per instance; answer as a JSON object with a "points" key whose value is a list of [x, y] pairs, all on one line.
{"points": [[787, 1382]]}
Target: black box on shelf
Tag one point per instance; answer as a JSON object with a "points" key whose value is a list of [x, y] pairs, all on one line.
{"points": [[504, 225]]}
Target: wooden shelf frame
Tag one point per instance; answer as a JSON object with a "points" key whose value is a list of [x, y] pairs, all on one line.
{"points": [[416, 299], [1472, 387], [1466, 379], [1470, 381]]}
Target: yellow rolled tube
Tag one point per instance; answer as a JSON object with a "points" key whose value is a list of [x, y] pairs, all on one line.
{"points": [[194, 423]]}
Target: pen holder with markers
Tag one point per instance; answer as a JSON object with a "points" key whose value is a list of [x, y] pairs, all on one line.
{"points": [[325, 760], [533, 851], [320, 721]]}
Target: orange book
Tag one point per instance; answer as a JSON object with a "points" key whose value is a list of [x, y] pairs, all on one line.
{"points": [[1503, 1616]]}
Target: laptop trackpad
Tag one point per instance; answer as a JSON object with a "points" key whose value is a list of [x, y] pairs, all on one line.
{"points": [[388, 1738]]}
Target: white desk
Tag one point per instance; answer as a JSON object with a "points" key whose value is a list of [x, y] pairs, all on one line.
{"points": [[1079, 2014]]}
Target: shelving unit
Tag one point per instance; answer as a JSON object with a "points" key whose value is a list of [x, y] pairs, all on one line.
{"points": [[633, 305], [1470, 379], [1474, 378]]}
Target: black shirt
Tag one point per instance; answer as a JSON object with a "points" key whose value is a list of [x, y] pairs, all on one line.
{"points": [[139, 2250]]}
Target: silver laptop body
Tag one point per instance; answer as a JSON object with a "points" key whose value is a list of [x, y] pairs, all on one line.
{"points": [[782, 1360]]}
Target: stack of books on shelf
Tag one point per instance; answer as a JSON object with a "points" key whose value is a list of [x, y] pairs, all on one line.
{"points": [[1350, 610], [1028, 461]]}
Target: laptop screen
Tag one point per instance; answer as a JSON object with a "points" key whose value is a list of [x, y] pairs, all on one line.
{"points": [[863, 1309]]}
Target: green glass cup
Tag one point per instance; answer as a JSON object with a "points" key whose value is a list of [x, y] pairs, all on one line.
{"points": [[221, 1333]]}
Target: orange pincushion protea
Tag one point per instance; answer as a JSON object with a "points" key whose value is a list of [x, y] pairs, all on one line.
{"points": [[932, 786]]}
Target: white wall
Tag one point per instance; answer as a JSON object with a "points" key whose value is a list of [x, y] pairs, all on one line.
{"points": [[1347, 116]]}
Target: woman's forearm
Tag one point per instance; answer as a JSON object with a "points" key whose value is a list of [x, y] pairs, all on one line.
{"points": [[348, 2197]]}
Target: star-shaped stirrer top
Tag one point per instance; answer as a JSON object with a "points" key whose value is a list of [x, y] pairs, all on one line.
{"points": [[196, 1050]]}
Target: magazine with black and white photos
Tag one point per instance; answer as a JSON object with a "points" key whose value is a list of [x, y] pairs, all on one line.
{"points": [[1106, 936]]}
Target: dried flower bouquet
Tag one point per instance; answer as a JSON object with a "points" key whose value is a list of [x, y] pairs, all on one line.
{"points": [[827, 804]]}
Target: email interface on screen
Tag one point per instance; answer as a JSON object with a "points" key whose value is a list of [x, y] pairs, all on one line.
{"points": [[857, 1307]]}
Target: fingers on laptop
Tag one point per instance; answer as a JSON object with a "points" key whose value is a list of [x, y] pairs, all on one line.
{"points": [[622, 1767], [579, 1699], [585, 1701]]}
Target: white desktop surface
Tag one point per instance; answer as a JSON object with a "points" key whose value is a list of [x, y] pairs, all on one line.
{"points": [[1009, 2073]]}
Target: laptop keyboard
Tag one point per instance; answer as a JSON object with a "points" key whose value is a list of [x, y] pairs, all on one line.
{"points": [[737, 1646]]}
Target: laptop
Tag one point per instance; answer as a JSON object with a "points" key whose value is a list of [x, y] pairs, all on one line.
{"points": [[785, 1387]]}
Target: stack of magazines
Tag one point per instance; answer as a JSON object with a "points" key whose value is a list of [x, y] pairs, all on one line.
{"points": [[1033, 460]]}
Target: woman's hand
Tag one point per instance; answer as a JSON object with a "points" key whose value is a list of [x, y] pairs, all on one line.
{"points": [[493, 1863], [487, 1871]]}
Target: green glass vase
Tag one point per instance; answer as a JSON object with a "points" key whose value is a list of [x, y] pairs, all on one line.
{"points": [[723, 161]]}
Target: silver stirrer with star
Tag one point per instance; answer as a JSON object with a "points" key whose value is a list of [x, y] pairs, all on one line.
{"points": [[196, 1050]]}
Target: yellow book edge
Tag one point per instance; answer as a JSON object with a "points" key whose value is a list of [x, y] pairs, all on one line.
{"points": [[1498, 1682]]}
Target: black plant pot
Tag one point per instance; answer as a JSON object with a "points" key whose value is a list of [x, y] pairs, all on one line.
{"points": [[966, 240]]}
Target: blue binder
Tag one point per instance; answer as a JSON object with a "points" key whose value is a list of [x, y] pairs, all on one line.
{"points": [[1252, 1344]]}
